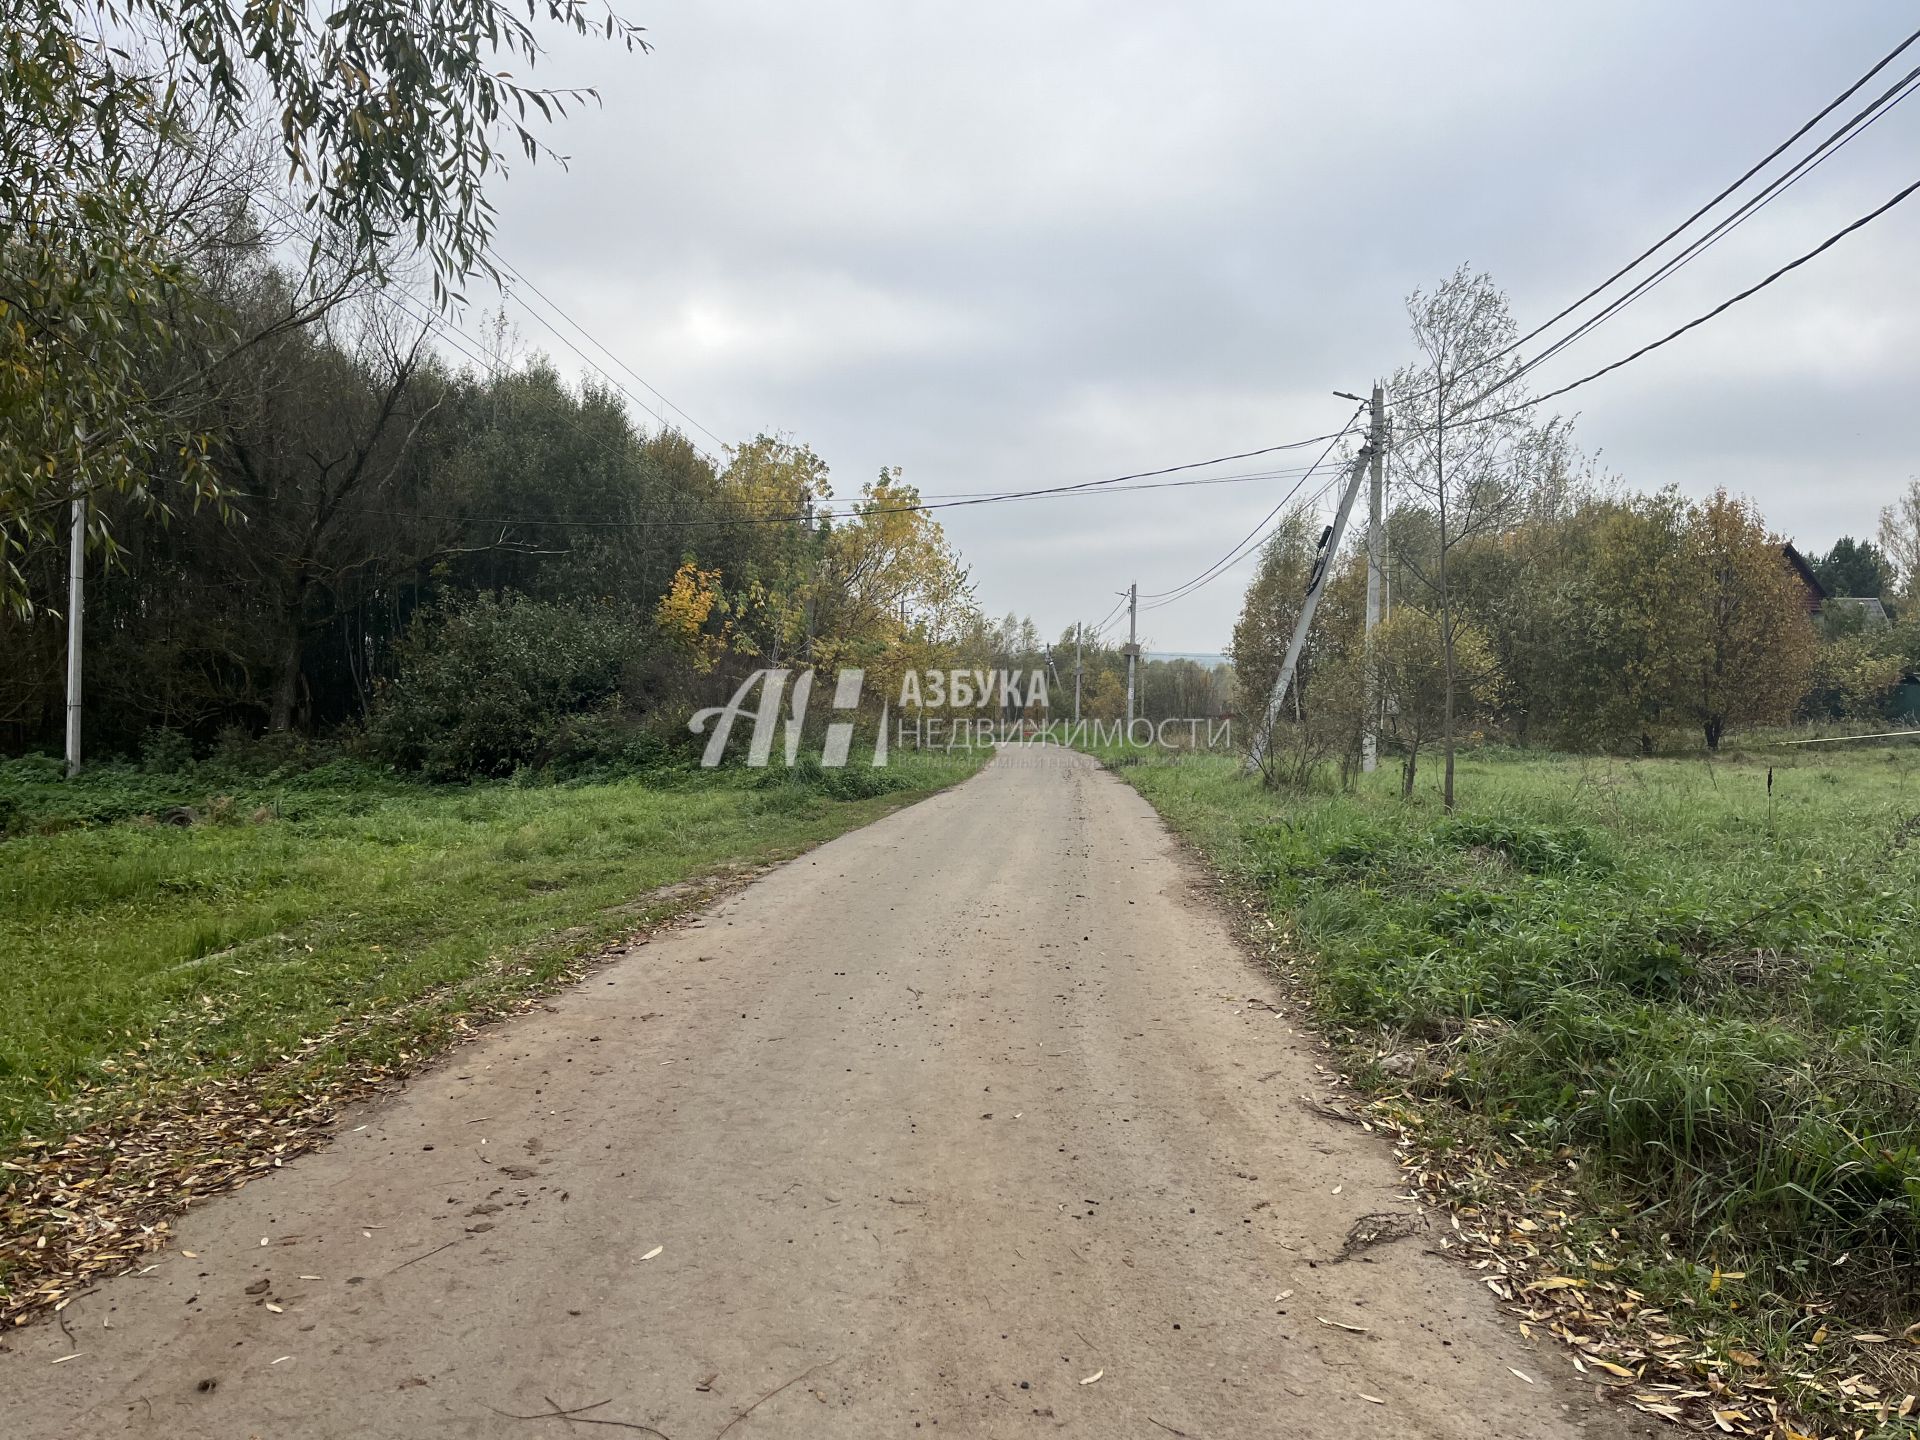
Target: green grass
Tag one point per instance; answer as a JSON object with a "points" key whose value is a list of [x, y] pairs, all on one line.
{"points": [[136, 956], [1705, 993]]}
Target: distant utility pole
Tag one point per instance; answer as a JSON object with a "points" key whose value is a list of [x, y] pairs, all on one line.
{"points": [[1133, 647], [1257, 748], [1079, 633], [1376, 573], [76, 606]]}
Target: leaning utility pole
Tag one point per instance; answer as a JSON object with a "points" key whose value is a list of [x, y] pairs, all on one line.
{"points": [[1133, 648], [1376, 573], [76, 605], [1079, 632], [1257, 748]]}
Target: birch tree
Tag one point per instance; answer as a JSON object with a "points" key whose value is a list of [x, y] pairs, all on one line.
{"points": [[1900, 540], [1464, 451]]}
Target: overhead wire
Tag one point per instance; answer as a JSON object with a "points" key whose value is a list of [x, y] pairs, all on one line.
{"points": [[1699, 320], [830, 508], [1826, 150], [850, 507], [1240, 551], [1656, 246], [605, 349], [1828, 147], [1111, 616], [441, 325]]}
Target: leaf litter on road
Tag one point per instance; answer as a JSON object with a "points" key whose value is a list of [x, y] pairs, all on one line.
{"points": [[101, 1199]]}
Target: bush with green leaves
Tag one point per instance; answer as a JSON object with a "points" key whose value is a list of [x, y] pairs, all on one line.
{"points": [[486, 685]]}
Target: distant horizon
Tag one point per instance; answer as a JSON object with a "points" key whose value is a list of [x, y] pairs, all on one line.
{"points": [[1211, 658]]}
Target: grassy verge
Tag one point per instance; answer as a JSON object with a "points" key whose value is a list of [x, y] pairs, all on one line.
{"points": [[1693, 989], [304, 934]]}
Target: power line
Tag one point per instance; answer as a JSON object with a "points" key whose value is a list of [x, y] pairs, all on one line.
{"points": [[1830, 146], [1826, 150], [1111, 616], [1698, 320], [1756, 168], [464, 344], [595, 365], [467, 347], [1311, 502], [854, 508], [1242, 478], [554, 305], [1241, 550]]}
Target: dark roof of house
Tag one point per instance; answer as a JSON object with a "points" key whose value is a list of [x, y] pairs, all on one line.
{"points": [[1803, 569]]}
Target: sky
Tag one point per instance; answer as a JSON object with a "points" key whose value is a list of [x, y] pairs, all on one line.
{"points": [[1005, 246]]}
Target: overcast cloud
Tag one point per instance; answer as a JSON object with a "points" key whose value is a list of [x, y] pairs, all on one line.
{"points": [[1006, 245]]}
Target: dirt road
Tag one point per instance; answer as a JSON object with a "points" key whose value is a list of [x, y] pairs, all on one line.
{"points": [[920, 1134]]}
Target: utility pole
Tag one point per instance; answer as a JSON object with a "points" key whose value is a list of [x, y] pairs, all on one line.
{"points": [[1133, 647], [1079, 632], [76, 606], [813, 565], [1376, 573], [1257, 748]]}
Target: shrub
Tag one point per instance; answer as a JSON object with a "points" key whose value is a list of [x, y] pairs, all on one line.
{"points": [[849, 782], [165, 751], [610, 741], [1853, 677], [486, 685]]}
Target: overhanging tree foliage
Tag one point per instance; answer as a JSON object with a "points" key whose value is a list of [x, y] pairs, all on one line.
{"points": [[119, 121]]}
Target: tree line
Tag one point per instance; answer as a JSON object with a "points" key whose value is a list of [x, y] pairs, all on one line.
{"points": [[230, 234], [459, 564], [1535, 600]]}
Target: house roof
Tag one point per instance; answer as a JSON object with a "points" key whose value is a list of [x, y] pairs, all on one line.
{"points": [[1867, 605], [1803, 569]]}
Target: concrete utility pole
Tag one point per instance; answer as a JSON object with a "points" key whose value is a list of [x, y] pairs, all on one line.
{"points": [[1133, 647], [1054, 671], [1257, 749], [1079, 633], [76, 606], [1376, 573], [813, 565]]}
